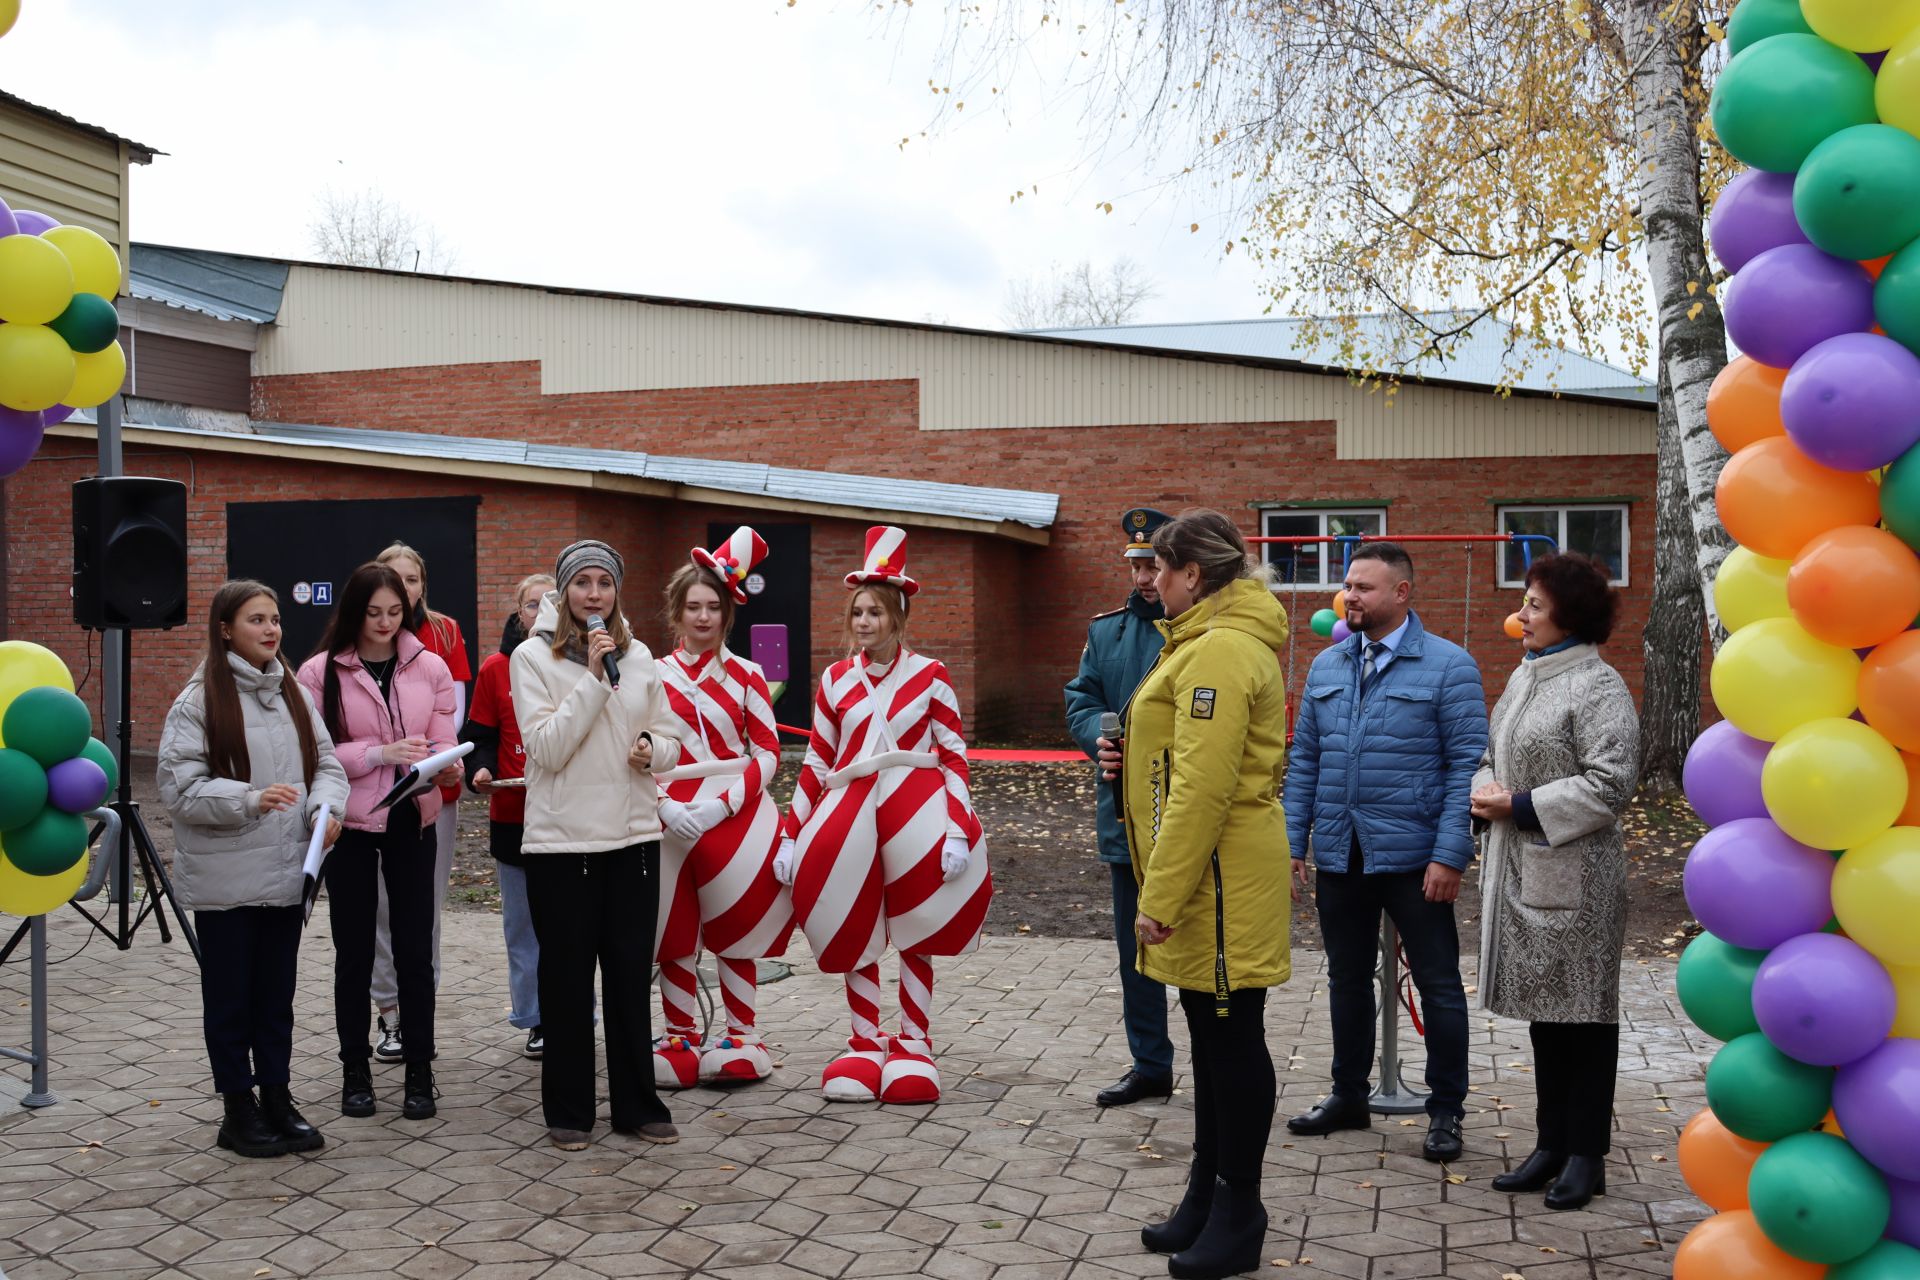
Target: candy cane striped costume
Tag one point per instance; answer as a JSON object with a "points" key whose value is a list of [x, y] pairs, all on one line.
{"points": [[883, 788]]}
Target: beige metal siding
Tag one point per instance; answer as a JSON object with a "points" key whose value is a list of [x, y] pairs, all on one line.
{"points": [[66, 174], [333, 320]]}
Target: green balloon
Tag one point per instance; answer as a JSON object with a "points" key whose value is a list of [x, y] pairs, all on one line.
{"points": [[102, 755], [1900, 495], [1896, 298], [1818, 1198], [23, 789], [1715, 981], [48, 723], [1755, 20], [48, 845], [1761, 1094], [89, 323], [1858, 194], [1322, 622], [1888, 1260], [1783, 97]]}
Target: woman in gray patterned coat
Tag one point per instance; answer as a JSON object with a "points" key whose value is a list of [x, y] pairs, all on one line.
{"points": [[1563, 751]]}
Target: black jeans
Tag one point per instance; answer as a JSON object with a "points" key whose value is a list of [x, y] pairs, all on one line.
{"points": [[248, 957], [1350, 903], [1143, 1002], [1233, 1085], [1574, 1067], [588, 909], [402, 855]]}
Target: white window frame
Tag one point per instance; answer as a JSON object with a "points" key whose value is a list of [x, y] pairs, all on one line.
{"points": [[1327, 550], [1561, 510]]}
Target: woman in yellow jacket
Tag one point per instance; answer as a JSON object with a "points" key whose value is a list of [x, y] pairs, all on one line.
{"points": [[1206, 736]]}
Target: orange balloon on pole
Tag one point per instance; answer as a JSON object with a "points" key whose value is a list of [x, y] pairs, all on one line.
{"points": [[1716, 1162], [1890, 691], [1512, 627], [1731, 1246], [1340, 602], [1774, 499], [1855, 586], [1743, 404], [1910, 816]]}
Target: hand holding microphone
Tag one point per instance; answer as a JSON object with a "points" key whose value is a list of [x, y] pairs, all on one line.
{"points": [[600, 650], [1110, 740]]}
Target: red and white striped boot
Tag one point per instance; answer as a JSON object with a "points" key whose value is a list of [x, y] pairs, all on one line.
{"points": [[738, 1057], [908, 1077], [676, 1060], [854, 1076]]}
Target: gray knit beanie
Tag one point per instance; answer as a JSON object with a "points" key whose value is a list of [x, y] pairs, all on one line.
{"points": [[588, 553]]}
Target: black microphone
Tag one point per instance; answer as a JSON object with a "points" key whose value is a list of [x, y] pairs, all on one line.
{"points": [[597, 623], [1110, 727]]}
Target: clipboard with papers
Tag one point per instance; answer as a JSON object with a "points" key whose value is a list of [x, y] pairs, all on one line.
{"points": [[419, 777], [315, 864]]}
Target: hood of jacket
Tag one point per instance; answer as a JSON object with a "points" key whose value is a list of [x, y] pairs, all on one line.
{"points": [[248, 679], [1245, 605]]}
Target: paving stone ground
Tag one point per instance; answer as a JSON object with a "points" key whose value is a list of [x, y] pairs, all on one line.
{"points": [[1016, 1174]]}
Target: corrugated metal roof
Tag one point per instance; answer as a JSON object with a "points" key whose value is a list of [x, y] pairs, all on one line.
{"points": [[138, 152], [226, 286], [1486, 355]]}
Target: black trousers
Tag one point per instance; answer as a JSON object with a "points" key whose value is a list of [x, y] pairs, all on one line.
{"points": [[1233, 1088], [1574, 1065], [402, 855], [596, 909], [248, 958]]}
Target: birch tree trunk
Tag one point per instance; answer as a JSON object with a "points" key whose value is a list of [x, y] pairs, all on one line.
{"points": [[1676, 624]]}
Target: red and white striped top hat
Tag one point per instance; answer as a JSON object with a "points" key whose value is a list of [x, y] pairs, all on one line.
{"points": [[886, 560], [734, 559]]}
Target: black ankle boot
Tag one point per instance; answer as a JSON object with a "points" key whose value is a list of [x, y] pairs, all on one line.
{"points": [[1584, 1178], [356, 1089], [276, 1105], [1233, 1239], [245, 1132], [1535, 1172], [417, 1103], [1183, 1228]]}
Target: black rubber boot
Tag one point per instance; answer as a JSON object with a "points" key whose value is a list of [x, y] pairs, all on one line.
{"points": [[1535, 1172], [1183, 1228], [417, 1103], [356, 1089], [245, 1132], [276, 1105], [1584, 1178], [1233, 1239]]}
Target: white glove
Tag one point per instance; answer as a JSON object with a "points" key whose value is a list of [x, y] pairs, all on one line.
{"points": [[954, 856], [679, 819], [709, 813], [783, 862]]}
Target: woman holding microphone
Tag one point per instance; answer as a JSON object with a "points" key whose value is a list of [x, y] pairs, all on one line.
{"points": [[594, 719]]}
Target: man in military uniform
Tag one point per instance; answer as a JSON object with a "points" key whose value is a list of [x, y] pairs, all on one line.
{"points": [[1121, 647]]}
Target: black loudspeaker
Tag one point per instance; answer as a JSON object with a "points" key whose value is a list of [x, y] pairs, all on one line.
{"points": [[129, 553]]}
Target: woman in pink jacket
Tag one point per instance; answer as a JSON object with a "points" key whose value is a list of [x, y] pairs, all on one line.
{"points": [[388, 703]]}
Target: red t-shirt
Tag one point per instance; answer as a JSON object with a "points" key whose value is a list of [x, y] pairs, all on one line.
{"points": [[493, 705], [442, 638]]}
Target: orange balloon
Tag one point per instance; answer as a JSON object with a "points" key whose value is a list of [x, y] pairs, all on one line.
{"points": [[1731, 1246], [1513, 626], [1743, 404], [1910, 816], [1876, 266], [1340, 603], [1773, 498], [1832, 1123], [1890, 690], [1716, 1162], [1855, 586]]}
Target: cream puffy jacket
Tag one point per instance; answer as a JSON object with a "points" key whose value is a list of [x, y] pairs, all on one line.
{"points": [[582, 794]]}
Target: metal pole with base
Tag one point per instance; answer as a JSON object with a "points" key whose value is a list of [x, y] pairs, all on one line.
{"points": [[1392, 1097]]}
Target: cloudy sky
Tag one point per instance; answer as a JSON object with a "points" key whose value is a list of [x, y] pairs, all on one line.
{"points": [[735, 150]]}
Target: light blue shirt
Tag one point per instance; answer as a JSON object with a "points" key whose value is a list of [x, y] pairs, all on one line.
{"points": [[1391, 640]]}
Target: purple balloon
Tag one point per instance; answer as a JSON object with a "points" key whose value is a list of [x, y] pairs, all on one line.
{"points": [[1822, 999], [1904, 1226], [1722, 774], [79, 784], [31, 223], [1340, 630], [1754, 214], [1853, 402], [1873, 60], [9, 225], [1877, 1101], [1791, 299], [20, 434], [57, 415], [1752, 885]]}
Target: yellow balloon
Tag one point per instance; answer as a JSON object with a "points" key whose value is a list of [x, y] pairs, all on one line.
{"points": [[96, 267], [36, 282], [1771, 677], [25, 895], [1896, 89], [1749, 588], [25, 665], [1834, 784], [9, 14], [1876, 895], [36, 366], [1864, 26], [97, 377], [1906, 987]]}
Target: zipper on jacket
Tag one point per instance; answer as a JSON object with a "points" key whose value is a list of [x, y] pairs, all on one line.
{"points": [[1219, 942]]}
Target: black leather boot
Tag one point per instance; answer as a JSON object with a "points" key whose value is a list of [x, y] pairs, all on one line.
{"points": [[1183, 1228], [276, 1104], [245, 1132], [1233, 1239], [1535, 1172], [417, 1103], [1584, 1178], [356, 1089]]}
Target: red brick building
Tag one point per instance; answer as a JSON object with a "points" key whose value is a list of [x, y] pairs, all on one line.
{"points": [[519, 418]]}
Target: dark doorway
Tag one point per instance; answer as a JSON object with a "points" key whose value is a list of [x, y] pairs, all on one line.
{"points": [[784, 598], [309, 549]]}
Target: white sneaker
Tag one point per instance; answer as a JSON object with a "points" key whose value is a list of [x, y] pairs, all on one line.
{"points": [[388, 1050]]}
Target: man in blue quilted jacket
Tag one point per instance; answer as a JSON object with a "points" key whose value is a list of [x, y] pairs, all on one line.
{"points": [[1389, 732]]}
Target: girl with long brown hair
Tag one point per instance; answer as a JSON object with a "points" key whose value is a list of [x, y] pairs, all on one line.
{"points": [[245, 766]]}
